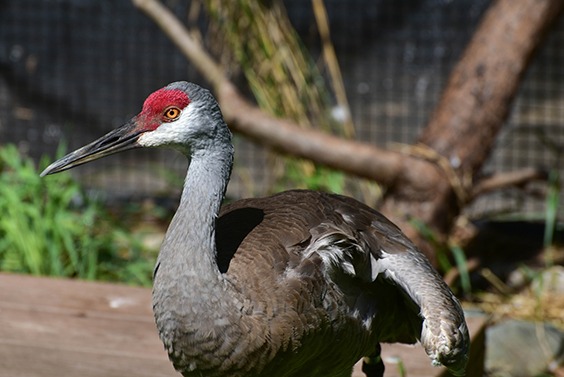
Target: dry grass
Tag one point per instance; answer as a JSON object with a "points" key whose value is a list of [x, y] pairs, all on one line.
{"points": [[526, 306], [541, 300], [257, 39]]}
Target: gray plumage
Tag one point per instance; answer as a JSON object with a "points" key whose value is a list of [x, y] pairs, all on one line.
{"points": [[301, 283]]}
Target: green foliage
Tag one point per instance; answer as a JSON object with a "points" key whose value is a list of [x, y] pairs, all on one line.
{"points": [[551, 212], [312, 177], [462, 265], [50, 227], [554, 188], [443, 251]]}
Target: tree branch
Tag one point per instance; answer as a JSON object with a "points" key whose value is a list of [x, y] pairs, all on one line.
{"points": [[459, 135], [473, 108], [481, 88], [503, 180], [361, 159]]}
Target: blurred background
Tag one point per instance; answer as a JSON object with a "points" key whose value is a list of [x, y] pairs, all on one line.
{"points": [[71, 70]]}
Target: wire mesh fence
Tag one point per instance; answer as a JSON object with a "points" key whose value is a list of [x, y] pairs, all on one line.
{"points": [[71, 70]]}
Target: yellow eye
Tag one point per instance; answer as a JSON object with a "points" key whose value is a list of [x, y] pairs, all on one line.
{"points": [[171, 113]]}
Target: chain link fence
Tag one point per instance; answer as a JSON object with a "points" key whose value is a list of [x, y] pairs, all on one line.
{"points": [[70, 70]]}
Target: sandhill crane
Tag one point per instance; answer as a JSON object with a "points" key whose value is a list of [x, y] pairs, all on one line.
{"points": [[301, 283]]}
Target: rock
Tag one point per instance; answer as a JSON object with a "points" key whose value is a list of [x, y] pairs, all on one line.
{"points": [[522, 349]]}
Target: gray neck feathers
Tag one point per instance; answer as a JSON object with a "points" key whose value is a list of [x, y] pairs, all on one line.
{"points": [[189, 246], [187, 271]]}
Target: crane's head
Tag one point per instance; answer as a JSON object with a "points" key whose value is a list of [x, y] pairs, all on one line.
{"points": [[182, 115]]}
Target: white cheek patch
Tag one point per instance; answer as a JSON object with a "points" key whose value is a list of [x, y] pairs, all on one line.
{"points": [[168, 133]]}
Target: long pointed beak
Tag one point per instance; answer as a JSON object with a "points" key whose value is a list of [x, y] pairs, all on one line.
{"points": [[118, 140]]}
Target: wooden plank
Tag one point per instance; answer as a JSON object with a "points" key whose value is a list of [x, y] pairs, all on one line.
{"points": [[28, 360], [56, 327], [66, 330], [77, 295]]}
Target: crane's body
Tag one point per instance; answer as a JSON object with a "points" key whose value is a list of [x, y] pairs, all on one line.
{"points": [[300, 246], [301, 283]]}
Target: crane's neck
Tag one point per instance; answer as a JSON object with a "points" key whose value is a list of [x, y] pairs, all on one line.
{"points": [[187, 273], [188, 252], [192, 299]]}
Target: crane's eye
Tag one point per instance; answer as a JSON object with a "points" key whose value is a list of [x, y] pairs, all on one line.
{"points": [[171, 113]]}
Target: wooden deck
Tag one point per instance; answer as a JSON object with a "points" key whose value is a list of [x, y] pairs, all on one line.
{"points": [[67, 328]]}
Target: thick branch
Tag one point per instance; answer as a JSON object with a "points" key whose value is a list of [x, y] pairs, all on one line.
{"points": [[459, 135], [473, 108], [353, 157], [477, 99], [358, 158], [471, 112]]}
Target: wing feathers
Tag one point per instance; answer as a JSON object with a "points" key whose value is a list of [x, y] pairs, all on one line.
{"points": [[362, 260]]}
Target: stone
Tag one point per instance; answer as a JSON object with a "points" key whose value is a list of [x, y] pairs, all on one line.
{"points": [[522, 349]]}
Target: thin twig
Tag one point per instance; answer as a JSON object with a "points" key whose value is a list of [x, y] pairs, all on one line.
{"points": [[504, 180], [332, 63]]}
